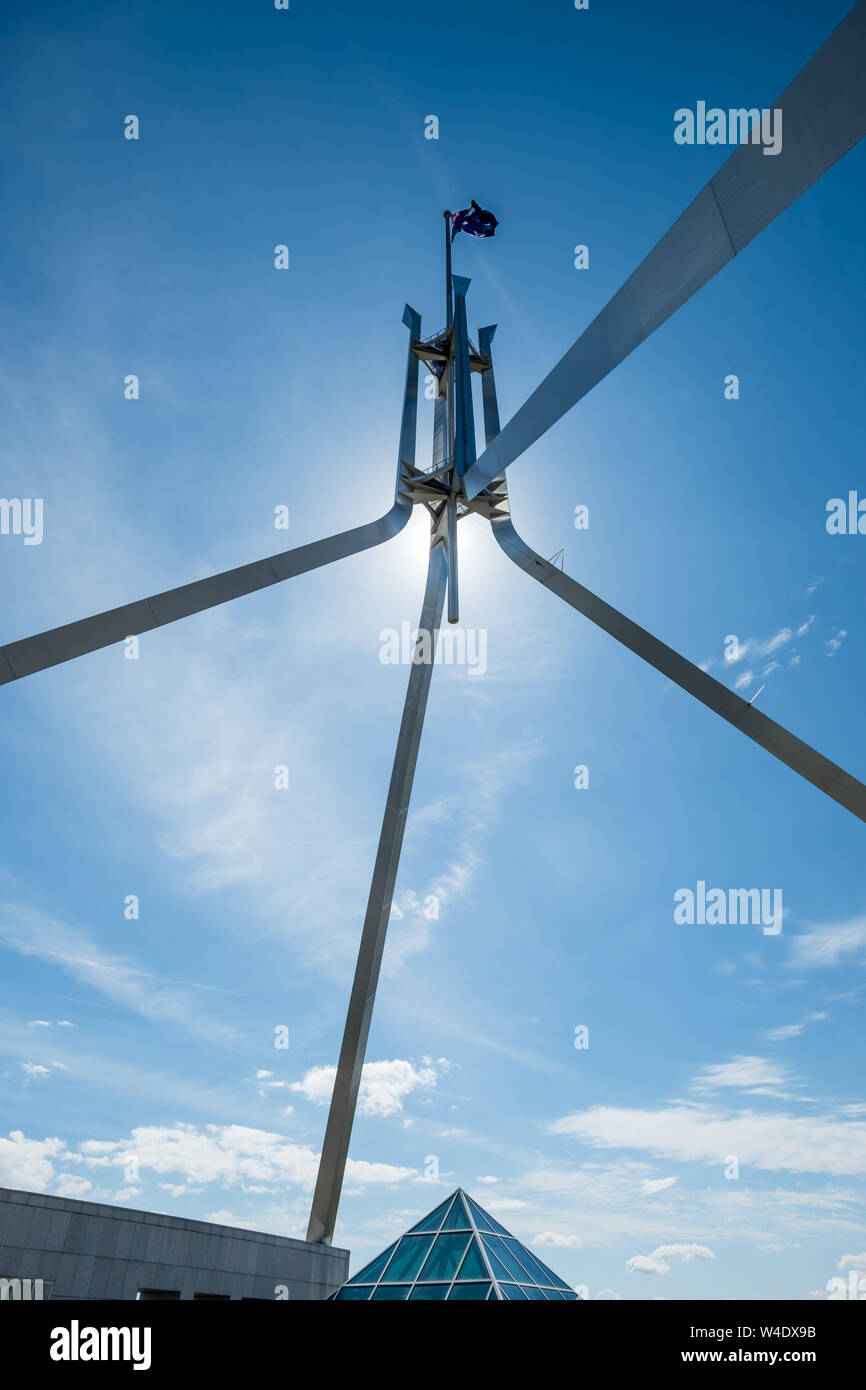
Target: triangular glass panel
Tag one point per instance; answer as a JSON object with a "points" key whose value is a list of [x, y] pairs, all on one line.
{"points": [[433, 1220], [529, 1262], [457, 1218], [498, 1268], [407, 1258], [473, 1266], [482, 1220], [550, 1277], [487, 1222], [370, 1273], [512, 1264]]}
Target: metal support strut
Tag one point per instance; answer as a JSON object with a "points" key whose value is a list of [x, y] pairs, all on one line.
{"points": [[332, 1164]]}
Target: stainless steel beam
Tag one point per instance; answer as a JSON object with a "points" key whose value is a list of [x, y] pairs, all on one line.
{"points": [[349, 1067], [464, 445], [453, 582], [823, 116], [817, 769], [489, 401], [60, 644]]}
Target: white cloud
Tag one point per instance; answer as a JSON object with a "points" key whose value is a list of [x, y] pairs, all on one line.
{"points": [[852, 1262], [38, 1071], [557, 1240], [70, 1185], [27, 1163], [755, 648], [828, 944], [265, 1081], [602, 1200], [792, 1030], [226, 1154], [788, 1030], [699, 1134], [384, 1085], [657, 1261], [752, 1074], [651, 1185]]}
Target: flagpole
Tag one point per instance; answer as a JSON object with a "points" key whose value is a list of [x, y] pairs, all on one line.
{"points": [[449, 324], [449, 298], [451, 504]]}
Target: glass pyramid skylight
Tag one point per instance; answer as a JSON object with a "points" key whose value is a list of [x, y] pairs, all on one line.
{"points": [[456, 1252]]}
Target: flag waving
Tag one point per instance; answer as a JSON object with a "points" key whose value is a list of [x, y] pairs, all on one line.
{"points": [[474, 220]]}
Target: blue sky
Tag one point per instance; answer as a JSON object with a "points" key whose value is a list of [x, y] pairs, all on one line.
{"points": [[137, 1062]]}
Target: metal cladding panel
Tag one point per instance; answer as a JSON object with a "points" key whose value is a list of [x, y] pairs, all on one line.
{"points": [[440, 430], [111, 1252], [691, 253], [206, 593], [46, 649]]}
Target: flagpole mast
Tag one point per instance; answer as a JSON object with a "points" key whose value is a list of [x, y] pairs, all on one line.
{"points": [[451, 504], [449, 298]]}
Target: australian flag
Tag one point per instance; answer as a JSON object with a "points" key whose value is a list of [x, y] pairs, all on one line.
{"points": [[474, 220]]}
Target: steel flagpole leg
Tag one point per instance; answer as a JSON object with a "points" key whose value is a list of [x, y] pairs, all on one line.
{"points": [[332, 1164]]}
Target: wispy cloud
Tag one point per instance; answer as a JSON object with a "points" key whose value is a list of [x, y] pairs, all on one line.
{"points": [[829, 944], [754, 1075], [469, 816], [793, 1030], [119, 978]]}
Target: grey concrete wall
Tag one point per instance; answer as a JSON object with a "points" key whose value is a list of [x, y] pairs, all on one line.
{"points": [[91, 1250]]}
